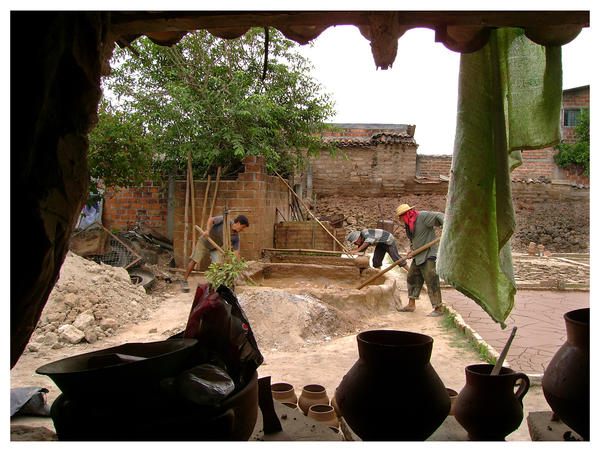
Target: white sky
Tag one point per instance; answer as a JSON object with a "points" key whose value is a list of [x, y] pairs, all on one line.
{"points": [[422, 86]]}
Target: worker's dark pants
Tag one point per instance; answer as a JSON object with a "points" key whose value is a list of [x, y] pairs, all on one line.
{"points": [[417, 274], [379, 254]]}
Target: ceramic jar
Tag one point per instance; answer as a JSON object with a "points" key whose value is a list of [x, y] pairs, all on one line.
{"points": [[312, 394], [392, 392], [488, 407], [324, 414], [284, 392], [566, 381]]}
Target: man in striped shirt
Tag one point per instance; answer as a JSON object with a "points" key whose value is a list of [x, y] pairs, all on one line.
{"points": [[384, 243]]}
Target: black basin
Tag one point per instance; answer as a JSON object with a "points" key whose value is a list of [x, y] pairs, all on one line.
{"points": [[124, 369]]}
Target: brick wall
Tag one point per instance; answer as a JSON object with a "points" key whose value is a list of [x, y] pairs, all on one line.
{"points": [[574, 98], [378, 170], [254, 194], [431, 166], [124, 207], [307, 235], [536, 163]]}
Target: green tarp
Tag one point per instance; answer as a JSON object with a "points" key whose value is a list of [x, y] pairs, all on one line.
{"points": [[509, 99]]}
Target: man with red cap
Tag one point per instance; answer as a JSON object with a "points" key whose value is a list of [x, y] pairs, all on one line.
{"points": [[420, 231]]}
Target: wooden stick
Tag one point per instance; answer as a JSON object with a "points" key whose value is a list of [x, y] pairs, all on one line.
{"points": [[203, 219], [502, 357], [211, 241], [399, 261], [301, 250], [192, 201], [212, 206], [185, 215], [308, 210]]}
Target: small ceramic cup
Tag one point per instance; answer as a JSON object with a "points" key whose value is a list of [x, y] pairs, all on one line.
{"points": [[324, 414], [284, 392], [312, 395]]}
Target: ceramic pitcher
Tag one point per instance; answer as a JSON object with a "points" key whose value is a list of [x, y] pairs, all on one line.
{"points": [[487, 406]]}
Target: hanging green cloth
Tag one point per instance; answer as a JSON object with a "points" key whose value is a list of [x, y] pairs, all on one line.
{"points": [[509, 99]]}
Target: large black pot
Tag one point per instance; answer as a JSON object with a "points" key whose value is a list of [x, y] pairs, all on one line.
{"points": [[566, 381], [119, 371], [392, 392]]}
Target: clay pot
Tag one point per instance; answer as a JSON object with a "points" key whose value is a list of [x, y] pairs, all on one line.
{"points": [[291, 405], [566, 381], [488, 407], [392, 392], [333, 403], [452, 394], [312, 395], [324, 414], [284, 392]]}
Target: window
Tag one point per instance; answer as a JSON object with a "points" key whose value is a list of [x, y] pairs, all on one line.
{"points": [[571, 116]]}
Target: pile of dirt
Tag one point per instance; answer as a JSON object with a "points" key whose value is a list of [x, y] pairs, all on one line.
{"points": [[285, 321], [89, 302], [561, 226]]}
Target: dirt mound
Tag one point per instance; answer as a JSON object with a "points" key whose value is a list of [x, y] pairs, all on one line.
{"points": [[284, 321], [89, 302], [561, 226]]}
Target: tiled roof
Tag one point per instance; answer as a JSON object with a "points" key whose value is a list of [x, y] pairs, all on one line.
{"points": [[378, 138]]}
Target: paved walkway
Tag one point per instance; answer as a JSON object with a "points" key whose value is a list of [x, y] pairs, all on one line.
{"points": [[538, 316]]}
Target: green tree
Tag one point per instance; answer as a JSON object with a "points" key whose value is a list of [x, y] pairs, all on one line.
{"points": [[207, 96], [120, 153], [577, 153]]}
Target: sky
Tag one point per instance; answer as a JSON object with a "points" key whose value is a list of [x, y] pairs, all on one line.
{"points": [[420, 89]]}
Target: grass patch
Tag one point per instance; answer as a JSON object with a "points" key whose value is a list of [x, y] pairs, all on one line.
{"points": [[462, 340]]}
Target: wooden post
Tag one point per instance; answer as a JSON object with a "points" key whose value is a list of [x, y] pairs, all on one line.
{"points": [[203, 219], [399, 261], [192, 200], [212, 206], [185, 215], [308, 210]]}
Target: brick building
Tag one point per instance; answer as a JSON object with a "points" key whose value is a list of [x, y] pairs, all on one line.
{"points": [[381, 160]]}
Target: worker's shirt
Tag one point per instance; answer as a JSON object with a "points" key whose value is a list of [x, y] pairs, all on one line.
{"points": [[423, 233], [216, 234], [376, 236]]}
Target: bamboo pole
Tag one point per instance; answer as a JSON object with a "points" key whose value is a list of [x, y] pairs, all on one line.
{"points": [[203, 219], [211, 241], [212, 205], [399, 261], [192, 200], [185, 215], [308, 210], [301, 250]]}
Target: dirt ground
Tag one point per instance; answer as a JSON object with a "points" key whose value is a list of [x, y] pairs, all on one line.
{"points": [[303, 340]]}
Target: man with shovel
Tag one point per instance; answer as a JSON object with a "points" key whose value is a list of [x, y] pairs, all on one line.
{"points": [[384, 243], [420, 231], [214, 230]]}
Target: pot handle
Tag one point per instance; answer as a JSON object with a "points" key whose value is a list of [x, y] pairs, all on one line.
{"points": [[523, 386]]}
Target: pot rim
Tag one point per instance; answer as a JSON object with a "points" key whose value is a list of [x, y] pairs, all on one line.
{"points": [[420, 339], [575, 315]]}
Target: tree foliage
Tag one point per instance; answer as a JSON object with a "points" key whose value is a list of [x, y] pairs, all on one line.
{"points": [[577, 153], [206, 96], [120, 153]]}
